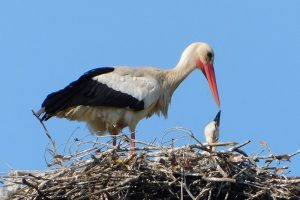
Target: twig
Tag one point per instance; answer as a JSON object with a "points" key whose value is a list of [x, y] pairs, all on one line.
{"points": [[287, 181], [186, 131], [237, 148], [215, 179], [279, 157], [47, 132]]}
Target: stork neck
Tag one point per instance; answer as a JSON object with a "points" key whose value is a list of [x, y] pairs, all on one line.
{"points": [[172, 79], [180, 72]]}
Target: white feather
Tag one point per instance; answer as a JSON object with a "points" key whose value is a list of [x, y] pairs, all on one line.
{"points": [[143, 88], [211, 132]]}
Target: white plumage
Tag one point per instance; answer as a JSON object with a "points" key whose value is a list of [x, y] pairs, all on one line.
{"points": [[211, 130], [144, 88]]}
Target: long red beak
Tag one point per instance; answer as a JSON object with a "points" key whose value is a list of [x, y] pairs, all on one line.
{"points": [[209, 73]]}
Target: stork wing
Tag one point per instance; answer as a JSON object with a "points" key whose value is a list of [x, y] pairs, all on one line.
{"points": [[104, 87]]}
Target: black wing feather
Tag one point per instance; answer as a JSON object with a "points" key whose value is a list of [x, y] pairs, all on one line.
{"points": [[88, 92]]}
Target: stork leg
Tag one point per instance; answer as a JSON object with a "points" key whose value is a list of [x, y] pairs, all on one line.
{"points": [[132, 141]]}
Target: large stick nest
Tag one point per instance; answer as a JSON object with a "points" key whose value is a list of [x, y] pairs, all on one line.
{"points": [[95, 170]]}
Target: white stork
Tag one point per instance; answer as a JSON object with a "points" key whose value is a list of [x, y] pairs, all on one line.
{"points": [[211, 130], [112, 98]]}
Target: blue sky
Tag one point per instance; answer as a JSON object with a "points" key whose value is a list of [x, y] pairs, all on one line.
{"points": [[44, 45]]}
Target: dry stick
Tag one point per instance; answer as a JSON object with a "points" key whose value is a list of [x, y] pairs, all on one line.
{"points": [[47, 133], [181, 189], [279, 157], [187, 131], [210, 195], [203, 191], [275, 168], [220, 144], [227, 195], [204, 146], [255, 185], [237, 148], [287, 181], [68, 140], [215, 179], [240, 172], [259, 193]]}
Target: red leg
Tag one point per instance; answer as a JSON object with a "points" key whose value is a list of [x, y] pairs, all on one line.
{"points": [[132, 142]]}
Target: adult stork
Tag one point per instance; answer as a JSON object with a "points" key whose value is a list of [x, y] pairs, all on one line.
{"points": [[112, 98]]}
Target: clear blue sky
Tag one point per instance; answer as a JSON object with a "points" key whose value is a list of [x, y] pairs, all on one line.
{"points": [[44, 45]]}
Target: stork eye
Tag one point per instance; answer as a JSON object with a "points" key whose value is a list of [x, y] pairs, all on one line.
{"points": [[209, 55]]}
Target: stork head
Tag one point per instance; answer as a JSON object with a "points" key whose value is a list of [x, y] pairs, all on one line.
{"points": [[202, 56], [217, 118]]}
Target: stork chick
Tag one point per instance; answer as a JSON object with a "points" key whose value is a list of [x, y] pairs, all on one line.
{"points": [[211, 130]]}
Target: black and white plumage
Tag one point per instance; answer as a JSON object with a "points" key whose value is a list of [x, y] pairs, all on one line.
{"points": [[112, 98], [89, 90]]}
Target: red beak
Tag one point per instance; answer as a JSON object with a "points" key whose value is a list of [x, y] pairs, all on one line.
{"points": [[209, 73]]}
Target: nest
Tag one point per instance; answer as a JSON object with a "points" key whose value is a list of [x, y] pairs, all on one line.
{"points": [[96, 170]]}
